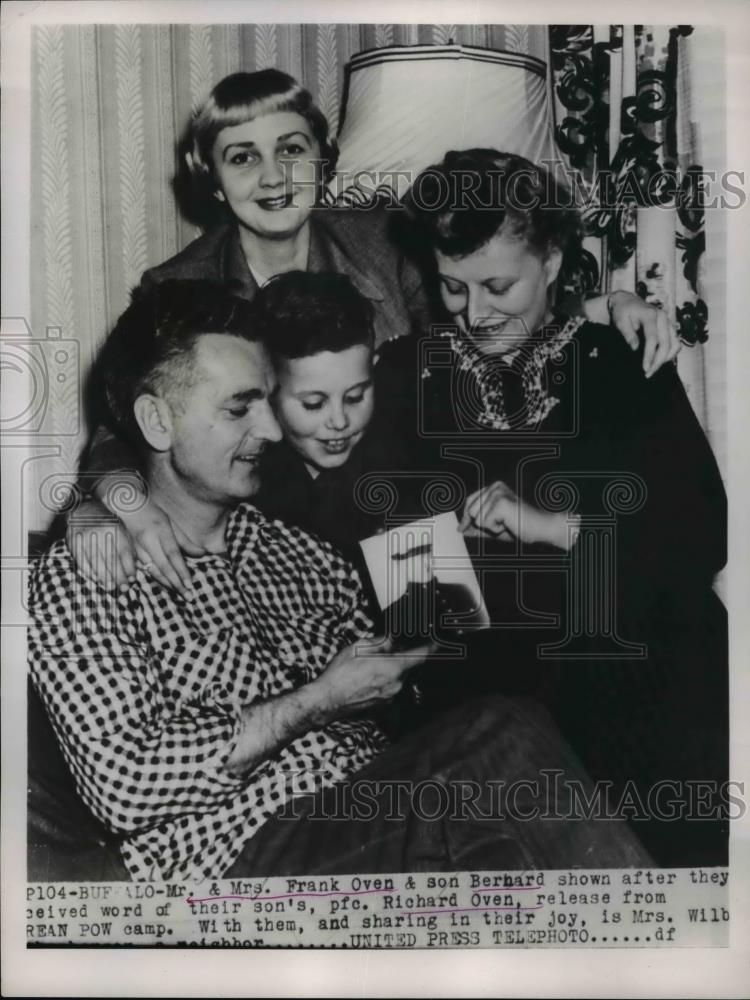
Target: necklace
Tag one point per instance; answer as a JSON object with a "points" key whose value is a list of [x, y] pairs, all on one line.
{"points": [[488, 376]]}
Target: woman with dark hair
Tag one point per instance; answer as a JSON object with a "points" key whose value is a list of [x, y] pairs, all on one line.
{"points": [[595, 504], [260, 150]]}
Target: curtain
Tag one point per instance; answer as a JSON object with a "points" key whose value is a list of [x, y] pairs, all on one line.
{"points": [[628, 123]]}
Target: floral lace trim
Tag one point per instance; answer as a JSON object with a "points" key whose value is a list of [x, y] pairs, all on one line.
{"points": [[488, 372]]}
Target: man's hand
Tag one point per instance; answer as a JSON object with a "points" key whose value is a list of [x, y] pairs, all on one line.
{"points": [[497, 511], [357, 680], [101, 547], [633, 317]]}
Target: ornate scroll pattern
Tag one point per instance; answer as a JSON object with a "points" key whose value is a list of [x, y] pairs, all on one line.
{"points": [[593, 603], [572, 67], [59, 493], [692, 315], [391, 495], [628, 162], [375, 494]]}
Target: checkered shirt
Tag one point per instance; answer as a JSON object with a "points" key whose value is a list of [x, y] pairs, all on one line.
{"points": [[144, 690]]}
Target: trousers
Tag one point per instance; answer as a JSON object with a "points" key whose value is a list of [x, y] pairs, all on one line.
{"points": [[491, 786]]}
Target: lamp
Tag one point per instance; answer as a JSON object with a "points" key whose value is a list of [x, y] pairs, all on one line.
{"points": [[406, 106]]}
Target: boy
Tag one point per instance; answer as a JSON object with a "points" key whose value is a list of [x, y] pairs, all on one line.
{"points": [[320, 333]]}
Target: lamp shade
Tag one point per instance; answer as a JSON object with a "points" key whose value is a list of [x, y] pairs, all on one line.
{"points": [[406, 106]]}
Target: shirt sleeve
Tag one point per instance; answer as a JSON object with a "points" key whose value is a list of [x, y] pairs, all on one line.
{"points": [[135, 764], [339, 590], [356, 621], [328, 585]]}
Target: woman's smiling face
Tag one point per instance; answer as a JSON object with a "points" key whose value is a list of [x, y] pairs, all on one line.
{"points": [[324, 403], [498, 295], [266, 172]]}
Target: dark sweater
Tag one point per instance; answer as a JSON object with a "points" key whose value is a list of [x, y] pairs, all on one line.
{"points": [[645, 479]]}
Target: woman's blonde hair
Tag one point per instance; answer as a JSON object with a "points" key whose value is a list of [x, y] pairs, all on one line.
{"points": [[243, 97]]}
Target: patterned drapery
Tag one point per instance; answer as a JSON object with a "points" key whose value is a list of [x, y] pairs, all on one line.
{"points": [[109, 104], [625, 121]]}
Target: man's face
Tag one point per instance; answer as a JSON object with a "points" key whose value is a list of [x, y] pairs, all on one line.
{"points": [[223, 421]]}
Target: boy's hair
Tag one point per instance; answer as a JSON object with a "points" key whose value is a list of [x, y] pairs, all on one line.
{"points": [[150, 349], [458, 205], [302, 313]]}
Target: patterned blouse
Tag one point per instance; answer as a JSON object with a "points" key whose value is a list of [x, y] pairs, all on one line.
{"points": [[144, 690]]}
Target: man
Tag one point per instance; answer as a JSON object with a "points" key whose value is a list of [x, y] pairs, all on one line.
{"points": [[206, 730]]}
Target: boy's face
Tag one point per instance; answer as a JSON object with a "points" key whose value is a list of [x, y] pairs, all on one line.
{"points": [[324, 404]]}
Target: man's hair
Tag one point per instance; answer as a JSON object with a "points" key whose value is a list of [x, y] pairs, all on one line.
{"points": [[151, 348], [459, 205], [302, 313]]}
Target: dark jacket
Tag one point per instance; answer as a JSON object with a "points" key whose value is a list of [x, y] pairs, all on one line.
{"points": [[645, 698], [358, 243], [611, 432], [649, 700]]}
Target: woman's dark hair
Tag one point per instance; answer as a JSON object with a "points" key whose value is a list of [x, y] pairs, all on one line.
{"points": [[302, 313], [458, 205], [151, 346], [239, 98]]}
